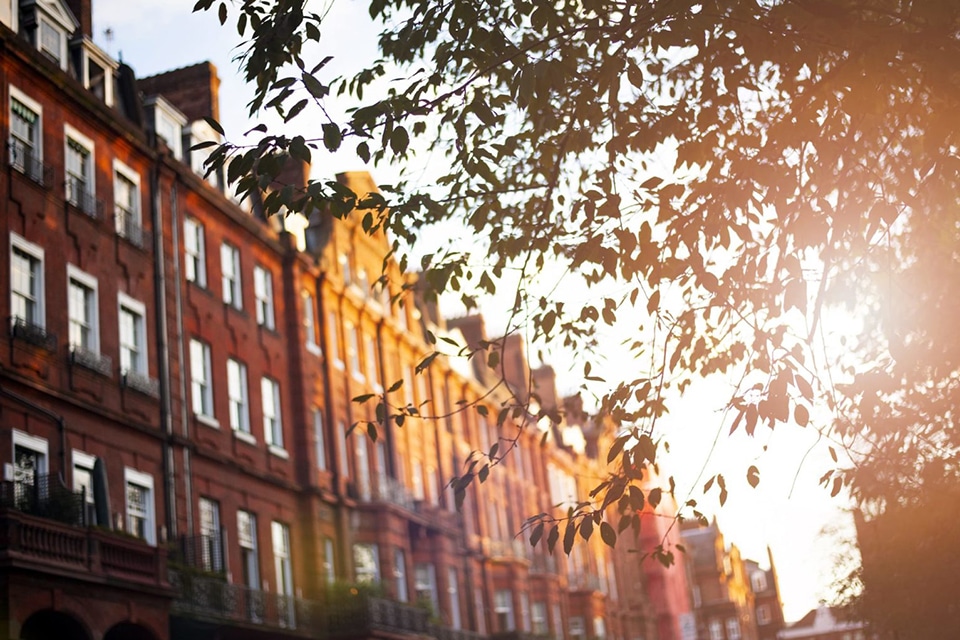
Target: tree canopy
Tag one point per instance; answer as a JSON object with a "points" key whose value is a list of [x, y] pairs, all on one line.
{"points": [[737, 166]]}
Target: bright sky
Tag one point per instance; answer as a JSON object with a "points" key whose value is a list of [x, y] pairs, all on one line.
{"points": [[788, 510]]}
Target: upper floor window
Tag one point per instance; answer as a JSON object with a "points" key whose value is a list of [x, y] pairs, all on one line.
{"points": [[126, 198], [319, 441], [733, 629], [195, 257], [168, 123], [247, 538], [272, 424], [211, 551], [763, 614], [52, 41], [237, 395], [335, 353], [366, 562], [201, 385], [503, 609], [353, 350], [26, 135], [230, 270], [82, 310], [281, 556], [759, 581], [310, 321], [133, 338], [26, 282], [79, 156], [263, 292], [345, 269]]}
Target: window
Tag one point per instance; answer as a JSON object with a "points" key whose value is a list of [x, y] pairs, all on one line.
{"points": [[318, 439], [425, 577], [400, 574], [335, 353], [697, 602], [82, 311], [201, 387], [211, 552], [538, 619], [453, 590], [79, 169], [195, 255], [272, 425], [716, 630], [557, 619], [140, 512], [237, 395], [249, 560], [30, 456], [263, 292], [83, 481], [133, 336], [578, 628], [373, 365], [342, 449], [503, 610], [366, 563], [758, 581], [329, 561], [599, 627], [417, 480], [26, 282], [525, 611], [345, 269], [230, 270], [733, 629], [281, 558], [353, 350], [310, 322], [26, 149], [126, 198], [763, 614], [363, 464], [52, 41]]}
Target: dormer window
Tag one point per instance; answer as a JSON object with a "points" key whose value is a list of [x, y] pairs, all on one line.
{"points": [[47, 24], [167, 122], [200, 131], [94, 68]]}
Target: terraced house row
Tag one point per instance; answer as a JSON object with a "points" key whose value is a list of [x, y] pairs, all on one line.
{"points": [[176, 407]]}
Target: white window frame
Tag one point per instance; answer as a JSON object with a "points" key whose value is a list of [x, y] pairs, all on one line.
{"points": [[320, 443], [92, 298], [352, 334], [201, 382], [503, 605], [137, 308], [310, 321], [86, 204], [37, 445], [335, 351], [329, 561], [263, 293], [208, 517], [36, 144], [539, 624], [35, 252], [120, 170], [231, 282], [453, 591], [373, 550], [716, 630], [283, 567], [425, 583], [81, 460], [60, 57], [272, 413], [372, 362], [194, 252], [763, 614], [250, 546], [400, 574], [238, 395], [143, 480], [733, 629]]}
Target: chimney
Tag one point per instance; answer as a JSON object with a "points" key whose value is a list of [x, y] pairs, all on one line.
{"points": [[195, 90], [82, 10], [545, 386], [516, 371], [474, 330]]}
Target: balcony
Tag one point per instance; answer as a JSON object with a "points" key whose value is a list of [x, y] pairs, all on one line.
{"points": [[79, 197], [44, 497], [443, 633], [210, 597], [25, 160], [130, 228], [91, 360], [514, 549], [393, 491], [141, 382], [585, 582], [202, 552], [362, 615], [44, 544], [32, 333], [543, 564]]}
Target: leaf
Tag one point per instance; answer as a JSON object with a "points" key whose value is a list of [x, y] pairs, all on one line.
{"points": [[552, 537], [753, 476], [372, 431], [654, 496], [363, 398], [569, 535], [536, 534], [586, 528], [607, 534], [399, 140], [802, 415], [331, 136], [222, 13], [214, 125], [837, 485]]}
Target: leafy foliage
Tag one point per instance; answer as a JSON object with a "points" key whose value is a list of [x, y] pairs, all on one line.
{"points": [[737, 167]]}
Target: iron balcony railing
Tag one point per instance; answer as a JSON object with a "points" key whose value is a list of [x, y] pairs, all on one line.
{"points": [[44, 496], [130, 228], [82, 199], [204, 552], [25, 160], [92, 360], [32, 333]]}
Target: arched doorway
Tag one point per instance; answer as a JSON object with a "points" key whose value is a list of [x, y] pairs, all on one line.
{"points": [[52, 625], [128, 631]]}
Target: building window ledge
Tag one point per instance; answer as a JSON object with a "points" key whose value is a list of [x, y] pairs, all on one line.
{"points": [[280, 452], [208, 421], [245, 437]]}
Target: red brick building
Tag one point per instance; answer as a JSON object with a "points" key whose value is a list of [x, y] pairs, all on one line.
{"points": [[182, 454]]}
